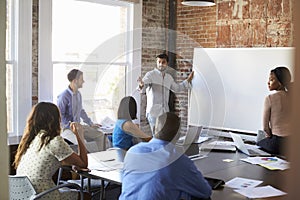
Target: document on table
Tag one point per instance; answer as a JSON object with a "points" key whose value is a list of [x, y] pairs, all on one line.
{"points": [[225, 143], [260, 192], [108, 165], [239, 183], [202, 139], [104, 161], [107, 124], [272, 163]]}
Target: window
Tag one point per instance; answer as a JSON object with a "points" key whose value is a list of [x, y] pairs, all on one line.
{"points": [[78, 41], [95, 37], [19, 59], [18, 64]]}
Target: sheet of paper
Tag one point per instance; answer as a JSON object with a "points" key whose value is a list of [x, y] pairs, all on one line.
{"points": [[108, 165], [229, 143], [239, 183], [202, 139], [279, 165], [260, 192], [104, 161], [107, 124], [272, 163], [251, 146]]}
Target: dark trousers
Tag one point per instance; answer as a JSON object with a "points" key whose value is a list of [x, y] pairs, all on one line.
{"points": [[273, 145]]}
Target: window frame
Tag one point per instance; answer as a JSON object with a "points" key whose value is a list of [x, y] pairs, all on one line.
{"points": [[45, 71], [21, 59]]}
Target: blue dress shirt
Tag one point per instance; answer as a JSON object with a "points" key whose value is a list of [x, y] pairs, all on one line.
{"points": [[71, 110], [120, 138], [156, 170]]}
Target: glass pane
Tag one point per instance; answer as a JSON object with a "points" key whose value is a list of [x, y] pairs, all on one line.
{"points": [[8, 30], [9, 97], [9, 66], [84, 28]]}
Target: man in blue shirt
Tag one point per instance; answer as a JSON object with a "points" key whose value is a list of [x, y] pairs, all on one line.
{"points": [[157, 170], [69, 103]]}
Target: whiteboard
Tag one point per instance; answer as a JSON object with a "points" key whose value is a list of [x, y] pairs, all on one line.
{"points": [[230, 85]]}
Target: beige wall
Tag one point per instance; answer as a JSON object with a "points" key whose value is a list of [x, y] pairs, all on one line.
{"points": [[294, 147], [3, 131]]}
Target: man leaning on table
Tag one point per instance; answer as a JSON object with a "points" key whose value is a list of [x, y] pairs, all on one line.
{"points": [[71, 109], [156, 170]]}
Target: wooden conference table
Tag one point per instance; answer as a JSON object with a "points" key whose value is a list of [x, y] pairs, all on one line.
{"points": [[212, 166]]}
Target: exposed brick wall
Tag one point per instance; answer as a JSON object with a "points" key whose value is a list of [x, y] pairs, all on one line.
{"points": [[196, 27], [153, 43], [35, 26], [254, 23]]}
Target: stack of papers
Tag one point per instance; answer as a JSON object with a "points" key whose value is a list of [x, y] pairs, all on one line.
{"points": [[241, 183], [224, 143], [104, 161], [271, 163], [260, 192], [107, 125], [247, 188]]}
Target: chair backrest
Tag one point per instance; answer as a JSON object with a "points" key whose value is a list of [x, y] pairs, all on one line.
{"points": [[20, 187]]}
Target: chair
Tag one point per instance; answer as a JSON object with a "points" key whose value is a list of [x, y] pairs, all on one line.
{"points": [[88, 183], [20, 187]]}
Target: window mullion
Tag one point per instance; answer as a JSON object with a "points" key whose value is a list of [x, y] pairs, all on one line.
{"points": [[23, 70]]}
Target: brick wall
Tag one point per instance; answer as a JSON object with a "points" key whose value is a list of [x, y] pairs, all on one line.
{"points": [[153, 43]]}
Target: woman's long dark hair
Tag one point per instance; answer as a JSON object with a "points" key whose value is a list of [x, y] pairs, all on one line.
{"points": [[127, 108], [44, 117]]}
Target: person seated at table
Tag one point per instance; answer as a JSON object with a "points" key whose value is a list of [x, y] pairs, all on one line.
{"points": [[42, 150], [125, 130], [276, 113], [156, 170]]}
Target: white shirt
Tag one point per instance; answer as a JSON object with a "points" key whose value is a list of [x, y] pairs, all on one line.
{"points": [[157, 86]]}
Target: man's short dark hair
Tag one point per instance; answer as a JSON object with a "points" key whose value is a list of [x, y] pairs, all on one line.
{"points": [[167, 126], [163, 56], [74, 74]]}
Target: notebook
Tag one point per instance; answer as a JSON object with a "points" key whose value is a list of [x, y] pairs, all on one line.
{"points": [[239, 143], [191, 136]]}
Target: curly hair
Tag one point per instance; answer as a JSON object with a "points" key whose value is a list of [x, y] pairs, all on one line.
{"points": [[44, 117]]}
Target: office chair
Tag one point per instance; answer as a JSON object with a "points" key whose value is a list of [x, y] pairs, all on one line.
{"points": [[20, 187]]}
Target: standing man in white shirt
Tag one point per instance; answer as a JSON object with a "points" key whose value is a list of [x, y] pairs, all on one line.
{"points": [[157, 84]]}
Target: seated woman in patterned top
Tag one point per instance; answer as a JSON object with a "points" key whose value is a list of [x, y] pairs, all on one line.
{"points": [[42, 150]]}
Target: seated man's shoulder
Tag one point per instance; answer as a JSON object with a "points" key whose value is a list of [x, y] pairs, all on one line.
{"points": [[64, 93], [141, 147]]}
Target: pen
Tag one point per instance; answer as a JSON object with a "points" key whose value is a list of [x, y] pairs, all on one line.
{"points": [[196, 158], [108, 160]]}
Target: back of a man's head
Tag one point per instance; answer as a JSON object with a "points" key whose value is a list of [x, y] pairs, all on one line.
{"points": [[167, 126]]}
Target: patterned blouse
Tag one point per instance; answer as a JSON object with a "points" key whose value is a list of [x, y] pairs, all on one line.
{"points": [[40, 166]]}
